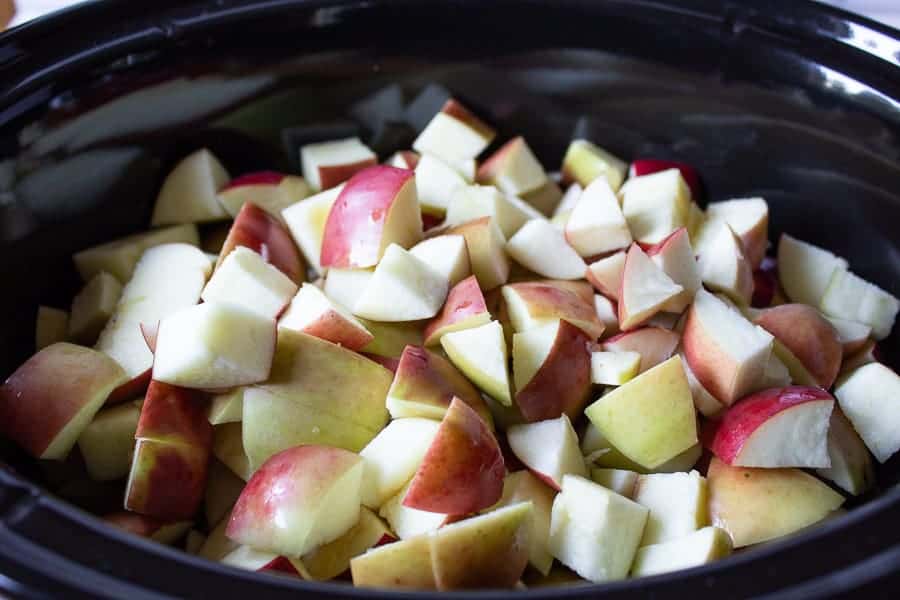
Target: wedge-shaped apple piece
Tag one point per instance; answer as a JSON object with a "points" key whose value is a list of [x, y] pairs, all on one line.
{"points": [[654, 345], [436, 183], [257, 230], [645, 290], [656, 205], [345, 286], [403, 288], [648, 166], [540, 247], [805, 270], [693, 550], [552, 371], [313, 312], [605, 274], [244, 278], [513, 168], [334, 558], [464, 308], [677, 503], [463, 470], [601, 453], [405, 565], [475, 201], [392, 338], [488, 551], [393, 456], [189, 192], [445, 254], [651, 418], [868, 397], [707, 404], [727, 354], [480, 353], [849, 296], [614, 368], [227, 407], [409, 522], [545, 198], [306, 222], [270, 190], [454, 134], [585, 162], [722, 264], [852, 335], [328, 164], [522, 486], [214, 345], [299, 499], [92, 307], [749, 219], [568, 200], [485, 243], [675, 256], [851, 465], [228, 447], [620, 481], [107, 443], [596, 223], [608, 313], [808, 336], [594, 531], [223, 488], [51, 326], [757, 505], [549, 449], [534, 304], [47, 402]]}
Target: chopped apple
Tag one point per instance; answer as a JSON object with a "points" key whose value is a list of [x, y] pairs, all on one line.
{"points": [[605, 274], [522, 486], [251, 559], [166, 479], [313, 312], [805, 270], [189, 192], [675, 256], [475, 201], [299, 499], [651, 418], [596, 223], [757, 505], [653, 344], [594, 531], [445, 254], [107, 443], [707, 404], [409, 522], [227, 407], [614, 368], [485, 243], [698, 548], [600, 452], [545, 198], [852, 335], [585, 162], [868, 397], [245, 279], [620, 481], [228, 447], [749, 219], [727, 354], [464, 308], [345, 286], [334, 558], [534, 304], [851, 466], [403, 288], [646, 289], [436, 183], [405, 565], [306, 221], [608, 313], [648, 166], [392, 338], [549, 449], [569, 200], [543, 249], [148, 527], [328, 164], [480, 353], [393, 456], [270, 190], [454, 134], [513, 169], [51, 326], [656, 205], [677, 503], [722, 264], [223, 488], [92, 307], [849, 296]]}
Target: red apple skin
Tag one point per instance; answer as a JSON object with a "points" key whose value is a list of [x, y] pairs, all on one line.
{"points": [[809, 336], [257, 178], [465, 300], [131, 389], [551, 299], [167, 480], [654, 344], [562, 384], [745, 416], [459, 112], [391, 364], [256, 229], [332, 175], [175, 414], [280, 564], [335, 328], [463, 470], [648, 166], [353, 231]]}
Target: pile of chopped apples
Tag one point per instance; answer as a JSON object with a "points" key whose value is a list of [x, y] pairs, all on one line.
{"points": [[485, 378]]}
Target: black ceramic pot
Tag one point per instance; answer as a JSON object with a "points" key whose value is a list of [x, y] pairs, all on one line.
{"points": [[793, 101]]}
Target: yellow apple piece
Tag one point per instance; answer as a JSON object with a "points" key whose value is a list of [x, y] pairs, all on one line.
{"points": [[331, 163], [481, 354], [656, 205], [869, 397], [585, 162], [189, 193], [596, 224], [693, 550], [107, 443], [486, 245], [446, 254], [393, 456], [677, 503]]}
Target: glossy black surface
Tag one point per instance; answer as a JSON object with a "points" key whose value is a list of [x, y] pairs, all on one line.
{"points": [[795, 102]]}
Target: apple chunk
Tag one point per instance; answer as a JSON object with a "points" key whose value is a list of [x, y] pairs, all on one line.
{"points": [[475, 201], [654, 345], [675, 256], [698, 548], [454, 134], [108, 442], [585, 162], [299, 499], [868, 397], [513, 169], [605, 274], [312, 312], [804, 270], [436, 183], [849, 296], [540, 247], [677, 503], [645, 290], [328, 164], [306, 222], [393, 456], [464, 308], [722, 262], [522, 486], [403, 288], [446, 254], [189, 192], [614, 368], [270, 190], [485, 243], [596, 223], [656, 205], [257, 230], [92, 307], [405, 565], [481, 354], [533, 304], [549, 449], [749, 219], [851, 465], [333, 559], [244, 278]]}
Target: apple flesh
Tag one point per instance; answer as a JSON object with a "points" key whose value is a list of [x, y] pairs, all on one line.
{"points": [[805, 270], [585, 162], [409, 522], [645, 289], [328, 164], [472, 202], [245, 279], [226, 407], [677, 504], [648, 166], [549, 449], [513, 169], [749, 219], [545, 198], [656, 205], [454, 134], [345, 286], [654, 345], [596, 224], [534, 304], [107, 443], [446, 254], [675, 256], [257, 230], [614, 368], [722, 262], [849, 296], [620, 481], [599, 452], [436, 183], [485, 243], [522, 486], [390, 339], [481, 354], [464, 308], [540, 247], [92, 307], [51, 326], [393, 456], [608, 313], [852, 335], [333, 559], [228, 447], [693, 550], [403, 565], [851, 465], [868, 397], [306, 222], [189, 192], [223, 488], [312, 311], [404, 159], [605, 274], [270, 190], [403, 288]]}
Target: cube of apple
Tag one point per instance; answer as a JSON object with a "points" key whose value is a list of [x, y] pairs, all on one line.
{"points": [[534, 304], [306, 221], [605, 274], [409, 522], [851, 465], [596, 224], [513, 169], [299, 499], [540, 247], [392, 338], [722, 263], [601, 453], [446, 254], [454, 134], [805, 270], [392, 457], [656, 205], [334, 558], [464, 308], [44, 412], [868, 397], [620, 481], [51, 326], [487, 255], [270, 190], [405, 565], [675, 256], [403, 288], [757, 505], [522, 486], [345, 286], [167, 479], [585, 162], [594, 531], [480, 353], [227, 407], [245, 279], [651, 418], [436, 183], [608, 313], [312, 312], [568, 200], [92, 307], [328, 164], [648, 166], [107, 443], [849, 296], [228, 447], [475, 201], [223, 488], [217, 545], [645, 291], [549, 449], [653, 344], [614, 368], [749, 219], [698, 548], [544, 199], [189, 192], [677, 503], [707, 404]]}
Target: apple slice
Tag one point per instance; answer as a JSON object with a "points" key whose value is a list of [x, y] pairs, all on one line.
{"points": [[409, 522], [808, 336], [677, 503], [404, 159], [852, 335], [328, 164], [605, 274], [805, 270], [306, 222], [522, 486], [513, 169], [585, 162], [722, 264], [92, 307], [656, 205], [299, 499], [188, 194], [620, 481], [545, 198], [594, 531], [749, 219], [648, 166], [262, 233], [454, 134], [552, 371], [445, 254], [693, 550], [245, 279], [540, 247], [51, 326], [463, 470], [727, 354], [480, 353], [645, 289], [404, 565], [313, 312], [675, 256], [475, 201], [614, 368], [436, 183], [849, 296], [228, 447], [485, 243], [851, 465], [227, 407], [868, 397], [651, 418], [490, 550], [45, 413], [393, 456], [223, 488], [757, 505], [376, 208], [334, 558], [549, 449], [535, 304], [464, 308], [403, 288], [608, 313], [270, 190], [107, 443], [596, 223], [345, 286], [653, 344]]}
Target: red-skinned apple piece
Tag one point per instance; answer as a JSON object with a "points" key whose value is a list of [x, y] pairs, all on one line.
{"points": [[465, 307], [454, 134], [645, 289], [654, 344], [532, 304], [259, 231], [312, 312], [605, 274], [270, 190], [675, 256], [648, 166], [328, 164], [749, 218], [549, 449], [513, 169]]}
